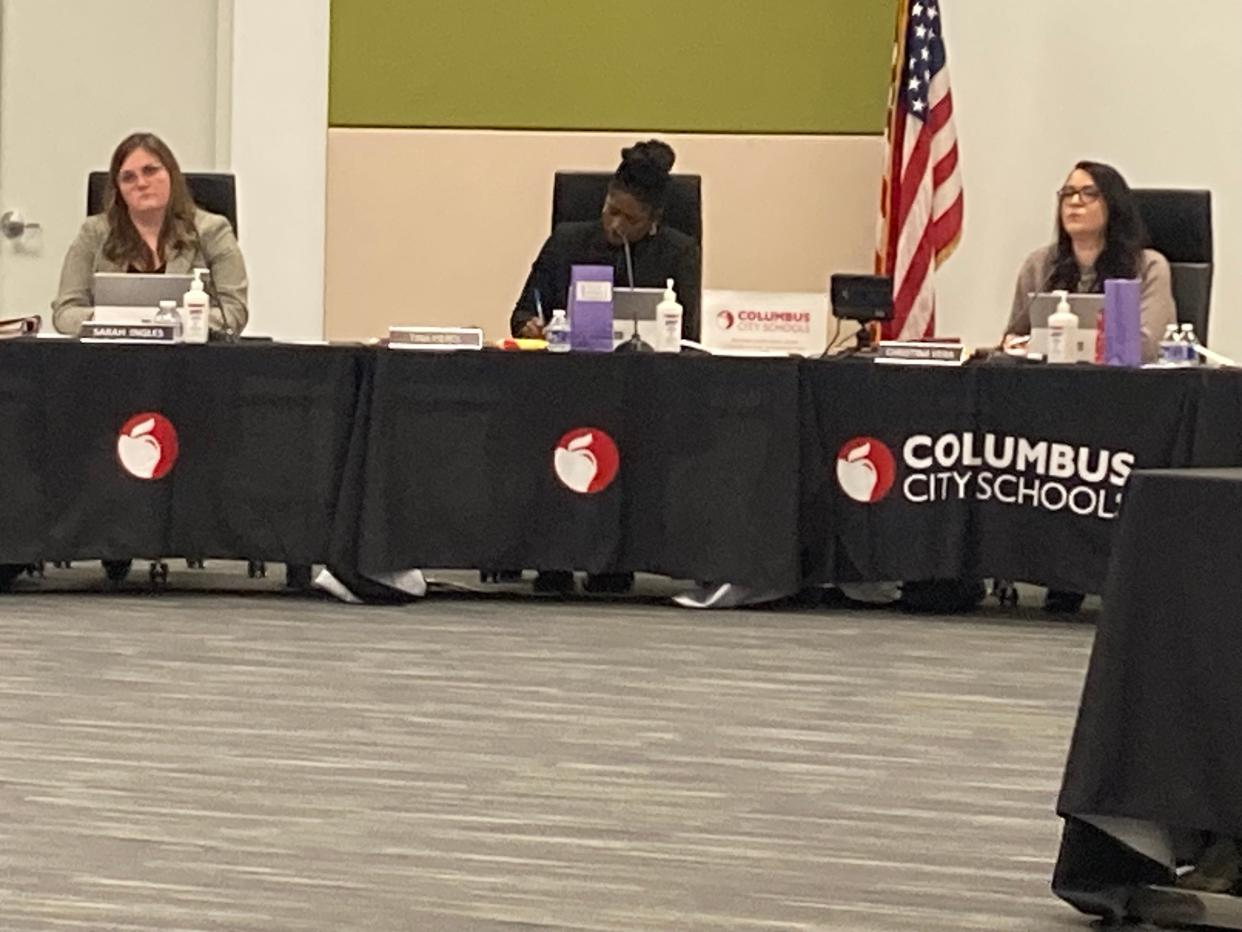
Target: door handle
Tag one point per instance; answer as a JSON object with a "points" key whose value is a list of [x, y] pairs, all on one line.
{"points": [[13, 224]]}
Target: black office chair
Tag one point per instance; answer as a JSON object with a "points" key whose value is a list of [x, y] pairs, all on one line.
{"points": [[1179, 223], [212, 191], [215, 192], [580, 196]]}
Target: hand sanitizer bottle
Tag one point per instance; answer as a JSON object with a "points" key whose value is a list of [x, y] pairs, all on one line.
{"points": [[196, 306], [668, 321], [557, 332], [1062, 330]]}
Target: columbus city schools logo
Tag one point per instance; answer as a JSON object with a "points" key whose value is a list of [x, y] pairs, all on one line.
{"points": [[724, 320], [147, 446], [586, 460], [866, 469]]}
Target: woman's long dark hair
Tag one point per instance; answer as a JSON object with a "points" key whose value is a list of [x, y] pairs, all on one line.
{"points": [[125, 244], [1125, 236]]}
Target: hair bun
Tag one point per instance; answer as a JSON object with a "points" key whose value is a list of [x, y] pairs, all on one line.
{"points": [[644, 171], [652, 155]]}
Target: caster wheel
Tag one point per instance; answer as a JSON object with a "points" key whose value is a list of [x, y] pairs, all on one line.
{"points": [[256, 569], [500, 576], [35, 570], [62, 564], [117, 570], [1006, 593], [159, 572], [195, 564], [9, 573]]}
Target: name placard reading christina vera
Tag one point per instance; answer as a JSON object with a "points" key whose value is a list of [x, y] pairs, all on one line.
{"points": [[913, 353]]}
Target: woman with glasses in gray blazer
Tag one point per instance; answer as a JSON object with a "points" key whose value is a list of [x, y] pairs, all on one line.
{"points": [[151, 224]]}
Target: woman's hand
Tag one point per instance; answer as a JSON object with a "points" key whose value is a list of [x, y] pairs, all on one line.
{"points": [[1015, 343], [532, 329]]}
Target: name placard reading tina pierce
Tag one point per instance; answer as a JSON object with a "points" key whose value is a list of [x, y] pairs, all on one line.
{"points": [[435, 338]]}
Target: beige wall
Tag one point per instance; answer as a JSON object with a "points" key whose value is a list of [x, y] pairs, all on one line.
{"points": [[440, 227]]}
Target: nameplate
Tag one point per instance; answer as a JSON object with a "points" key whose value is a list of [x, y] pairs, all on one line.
{"points": [[913, 353], [95, 331], [435, 338]]}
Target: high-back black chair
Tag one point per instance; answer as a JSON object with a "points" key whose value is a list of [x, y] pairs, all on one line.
{"points": [[580, 196], [215, 192], [212, 191], [1179, 223]]}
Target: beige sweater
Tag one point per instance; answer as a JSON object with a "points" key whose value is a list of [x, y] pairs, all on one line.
{"points": [[1156, 308], [216, 251]]}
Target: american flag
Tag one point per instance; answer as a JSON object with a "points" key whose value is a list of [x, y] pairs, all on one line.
{"points": [[921, 201]]}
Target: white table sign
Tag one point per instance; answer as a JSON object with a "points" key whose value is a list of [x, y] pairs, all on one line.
{"points": [[765, 321]]}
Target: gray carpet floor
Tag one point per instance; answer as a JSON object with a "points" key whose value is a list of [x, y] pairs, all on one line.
{"points": [[262, 761]]}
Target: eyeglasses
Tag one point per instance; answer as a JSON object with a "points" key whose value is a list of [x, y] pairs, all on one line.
{"points": [[1088, 194], [148, 172]]}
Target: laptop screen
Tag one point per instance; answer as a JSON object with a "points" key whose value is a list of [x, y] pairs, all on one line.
{"points": [[121, 289]]}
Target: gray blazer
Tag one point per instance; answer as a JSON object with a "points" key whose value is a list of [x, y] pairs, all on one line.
{"points": [[216, 250]]}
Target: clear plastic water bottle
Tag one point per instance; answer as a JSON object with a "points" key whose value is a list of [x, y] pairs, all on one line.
{"points": [[1189, 344], [167, 314], [557, 332], [1170, 347]]}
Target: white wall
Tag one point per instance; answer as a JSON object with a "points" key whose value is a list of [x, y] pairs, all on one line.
{"points": [[1149, 86], [278, 131], [59, 119]]}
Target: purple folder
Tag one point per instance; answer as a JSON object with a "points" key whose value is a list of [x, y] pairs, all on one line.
{"points": [[590, 308], [1123, 338]]}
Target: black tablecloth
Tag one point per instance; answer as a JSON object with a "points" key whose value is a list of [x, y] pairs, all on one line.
{"points": [[378, 460], [945, 518], [1157, 737], [459, 465], [263, 431]]}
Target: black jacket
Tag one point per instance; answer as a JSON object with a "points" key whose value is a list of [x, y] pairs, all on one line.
{"points": [[667, 254]]}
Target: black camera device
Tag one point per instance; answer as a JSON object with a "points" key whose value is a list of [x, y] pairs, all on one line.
{"points": [[863, 298]]}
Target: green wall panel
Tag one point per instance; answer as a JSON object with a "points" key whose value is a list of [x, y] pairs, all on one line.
{"points": [[745, 66]]}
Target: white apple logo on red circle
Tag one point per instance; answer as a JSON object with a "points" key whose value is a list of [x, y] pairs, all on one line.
{"points": [[586, 460], [147, 446], [866, 469]]}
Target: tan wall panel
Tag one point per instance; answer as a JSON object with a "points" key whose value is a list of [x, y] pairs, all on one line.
{"points": [[440, 227]]}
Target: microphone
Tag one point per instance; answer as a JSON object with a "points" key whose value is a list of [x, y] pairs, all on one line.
{"points": [[629, 262], [635, 344]]}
